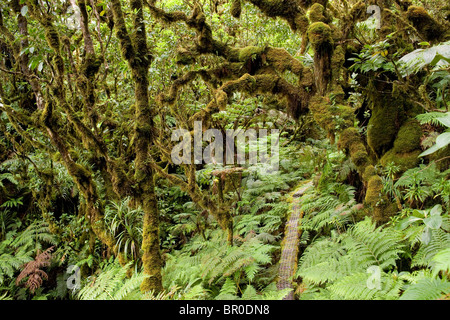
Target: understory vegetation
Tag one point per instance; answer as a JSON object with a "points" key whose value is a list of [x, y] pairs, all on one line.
{"points": [[93, 205]]}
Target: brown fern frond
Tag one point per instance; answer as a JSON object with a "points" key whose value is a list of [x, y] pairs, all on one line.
{"points": [[33, 271]]}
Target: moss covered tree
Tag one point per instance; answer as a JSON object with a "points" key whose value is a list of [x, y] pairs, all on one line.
{"points": [[70, 86]]}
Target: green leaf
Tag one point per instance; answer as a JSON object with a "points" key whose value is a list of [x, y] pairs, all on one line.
{"points": [[433, 222], [442, 141], [436, 210], [407, 222]]}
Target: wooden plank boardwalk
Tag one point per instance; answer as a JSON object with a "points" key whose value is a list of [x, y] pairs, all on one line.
{"points": [[289, 252]]}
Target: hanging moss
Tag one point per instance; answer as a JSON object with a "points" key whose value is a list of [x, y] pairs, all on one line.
{"points": [[285, 9], [320, 37], [337, 63]]}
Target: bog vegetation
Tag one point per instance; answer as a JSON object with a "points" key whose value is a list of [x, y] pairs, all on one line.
{"points": [[93, 207]]}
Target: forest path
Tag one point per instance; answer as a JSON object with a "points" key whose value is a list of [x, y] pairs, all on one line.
{"points": [[289, 248]]}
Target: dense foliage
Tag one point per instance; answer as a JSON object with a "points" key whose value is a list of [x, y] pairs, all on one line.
{"points": [[92, 205]]}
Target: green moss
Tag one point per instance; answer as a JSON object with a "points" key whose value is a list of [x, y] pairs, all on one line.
{"points": [[350, 141], [319, 34], [374, 190], [406, 147], [282, 60], [249, 52], [380, 206], [405, 160], [369, 172], [302, 23], [316, 13], [382, 127], [408, 137], [337, 62]]}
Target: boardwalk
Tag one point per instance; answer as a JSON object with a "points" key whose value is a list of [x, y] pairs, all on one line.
{"points": [[289, 251]]}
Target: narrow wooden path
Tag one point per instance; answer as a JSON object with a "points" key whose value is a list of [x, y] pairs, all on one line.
{"points": [[290, 244]]}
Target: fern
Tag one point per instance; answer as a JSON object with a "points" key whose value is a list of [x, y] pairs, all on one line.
{"points": [[440, 240], [426, 288], [441, 262], [228, 290], [339, 263], [374, 246], [33, 271], [355, 287], [111, 284], [9, 263], [7, 176], [331, 207], [34, 236]]}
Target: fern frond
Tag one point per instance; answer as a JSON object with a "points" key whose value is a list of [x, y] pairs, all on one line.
{"points": [[34, 236], [441, 262], [111, 284], [374, 246], [440, 240], [228, 290], [426, 289], [353, 287]]}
